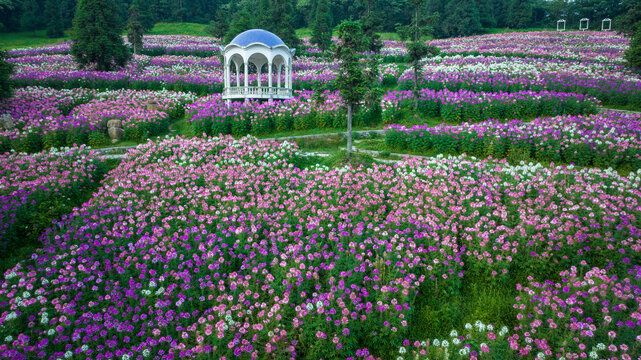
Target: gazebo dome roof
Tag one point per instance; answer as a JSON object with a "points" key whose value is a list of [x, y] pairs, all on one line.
{"points": [[259, 36]]}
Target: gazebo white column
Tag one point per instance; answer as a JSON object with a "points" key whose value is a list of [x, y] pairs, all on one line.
{"points": [[271, 91], [280, 70], [246, 75], [237, 74]]}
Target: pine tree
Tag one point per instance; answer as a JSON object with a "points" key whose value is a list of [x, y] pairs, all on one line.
{"points": [[218, 28], [135, 29], [264, 15], [96, 36], [146, 15], [30, 19], [351, 81], [322, 31], [282, 22], [633, 54], [5, 77], [54, 13], [462, 18], [242, 21], [417, 50]]}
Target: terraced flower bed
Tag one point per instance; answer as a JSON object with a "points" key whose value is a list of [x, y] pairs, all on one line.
{"points": [[465, 105], [221, 247], [202, 75], [610, 83], [606, 140], [46, 118], [37, 188]]}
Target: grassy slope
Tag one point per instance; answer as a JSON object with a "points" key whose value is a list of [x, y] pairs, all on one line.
{"points": [[16, 40]]}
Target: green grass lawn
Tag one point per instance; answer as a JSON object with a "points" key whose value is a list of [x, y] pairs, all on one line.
{"points": [[18, 40], [179, 29]]}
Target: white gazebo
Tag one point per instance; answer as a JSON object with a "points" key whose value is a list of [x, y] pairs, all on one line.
{"points": [[260, 49]]}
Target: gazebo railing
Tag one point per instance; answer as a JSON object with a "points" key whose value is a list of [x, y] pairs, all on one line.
{"points": [[258, 92]]}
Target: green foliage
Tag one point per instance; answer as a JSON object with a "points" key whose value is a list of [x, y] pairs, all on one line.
{"points": [[135, 29], [282, 22], [242, 21], [5, 77], [96, 36], [30, 19], [322, 32], [633, 54], [218, 28], [54, 13], [146, 18]]}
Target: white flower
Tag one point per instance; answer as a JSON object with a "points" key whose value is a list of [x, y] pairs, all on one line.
{"points": [[68, 354], [51, 331], [445, 343], [84, 347], [540, 355], [453, 333], [402, 350], [145, 353], [468, 326], [9, 338], [436, 342], [594, 355]]}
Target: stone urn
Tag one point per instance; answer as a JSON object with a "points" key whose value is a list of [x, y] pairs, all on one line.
{"points": [[6, 122], [152, 105], [115, 130]]}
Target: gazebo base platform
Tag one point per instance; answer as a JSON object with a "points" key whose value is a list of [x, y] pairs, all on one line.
{"points": [[255, 92]]}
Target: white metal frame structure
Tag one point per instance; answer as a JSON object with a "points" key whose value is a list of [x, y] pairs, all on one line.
{"points": [[558, 25], [587, 24], [259, 48], [609, 21]]}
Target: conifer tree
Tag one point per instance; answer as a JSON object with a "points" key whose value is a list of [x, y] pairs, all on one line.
{"points": [[219, 26], [30, 19], [96, 36], [417, 50], [146, 16], [322, 31], [633, 54], [54, 13], [282, 22], [135, 30], [242, 21], [352, 81], [264, 15], [5, 77]]}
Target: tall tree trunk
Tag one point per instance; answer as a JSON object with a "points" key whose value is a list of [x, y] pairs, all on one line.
{"points": [[349, 128], [415, 91]]}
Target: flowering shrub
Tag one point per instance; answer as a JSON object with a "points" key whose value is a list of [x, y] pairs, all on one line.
{"points": [[609, 139], [36, 188], [219, 247], [590, 313], [465, 105], [610, 83]]}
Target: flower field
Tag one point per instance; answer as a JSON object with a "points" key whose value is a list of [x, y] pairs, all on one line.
{"points": [[203, 75], [512, 232], [36, 187], [45, 117], [605, 140], [609, 83], [239, 254]]}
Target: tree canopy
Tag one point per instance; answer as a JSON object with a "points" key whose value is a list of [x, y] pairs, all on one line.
{"points": [[97, 40]]}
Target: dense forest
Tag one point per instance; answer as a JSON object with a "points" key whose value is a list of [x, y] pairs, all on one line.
{"points": [[454, 17]]}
